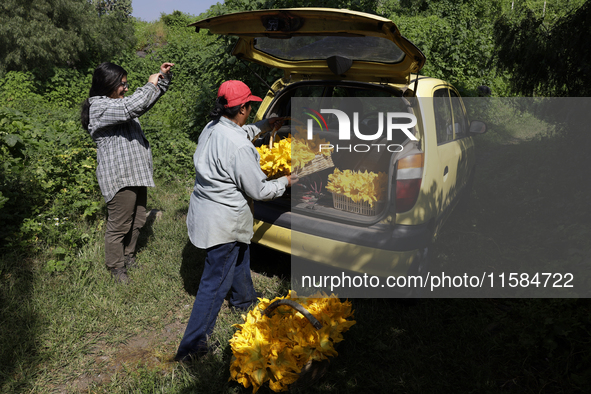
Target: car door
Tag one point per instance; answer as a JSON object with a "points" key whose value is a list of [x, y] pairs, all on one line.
{"points": [[448, 151], [462, 139]]}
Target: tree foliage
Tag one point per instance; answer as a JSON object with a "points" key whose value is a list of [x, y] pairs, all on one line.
{"points": [[43, 33], [547, 54], [121, 8], [176, 19], [455, 36]]}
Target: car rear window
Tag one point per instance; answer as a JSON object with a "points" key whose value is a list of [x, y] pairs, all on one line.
{"points": [[371, 49]]}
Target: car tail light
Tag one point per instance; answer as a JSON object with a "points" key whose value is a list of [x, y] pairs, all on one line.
{"points": [[408, 181]]}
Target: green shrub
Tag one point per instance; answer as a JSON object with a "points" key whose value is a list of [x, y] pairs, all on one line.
{"points": [[67, 87], [18, 86], [48, 180]]}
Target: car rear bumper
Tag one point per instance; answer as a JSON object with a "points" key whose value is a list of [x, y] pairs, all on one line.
{"points": [[380, 250]]}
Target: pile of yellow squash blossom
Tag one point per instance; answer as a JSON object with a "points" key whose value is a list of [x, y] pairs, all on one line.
{"points": [[274, 349], [276, 161], [359, 186]]}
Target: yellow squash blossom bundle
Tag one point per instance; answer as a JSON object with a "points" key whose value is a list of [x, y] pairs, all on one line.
{"points": [[291, 153], [302, 155], [305, 150], [274, 349], [359, 186], [276, 162]]}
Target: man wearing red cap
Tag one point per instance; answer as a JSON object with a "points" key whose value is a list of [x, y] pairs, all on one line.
{"points": [[220, 220]]}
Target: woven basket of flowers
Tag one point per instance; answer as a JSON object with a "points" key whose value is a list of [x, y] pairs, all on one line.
{"points": [[287, 342], [358, 192]]}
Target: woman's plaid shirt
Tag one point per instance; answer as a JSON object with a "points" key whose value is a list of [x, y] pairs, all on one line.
{"points": [[124, 157]]}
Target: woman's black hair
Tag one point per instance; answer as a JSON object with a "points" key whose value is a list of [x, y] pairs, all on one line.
{"points": [[220, 109], [105, 80]]}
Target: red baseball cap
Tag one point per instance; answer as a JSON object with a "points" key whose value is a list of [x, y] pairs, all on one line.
{"points": [[236, 93]]}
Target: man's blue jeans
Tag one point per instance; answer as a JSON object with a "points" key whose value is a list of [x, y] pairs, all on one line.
{"points": [[227, 267]]}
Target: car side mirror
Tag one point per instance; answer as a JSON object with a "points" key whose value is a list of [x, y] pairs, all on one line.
{"points": [[477, 127]]}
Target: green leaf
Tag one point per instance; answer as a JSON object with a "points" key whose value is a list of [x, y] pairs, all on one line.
{"points": [[3, 200], [11, 140], [59, 251]]}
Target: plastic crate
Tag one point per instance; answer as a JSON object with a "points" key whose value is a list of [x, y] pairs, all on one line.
{"points": [[344, 203]]}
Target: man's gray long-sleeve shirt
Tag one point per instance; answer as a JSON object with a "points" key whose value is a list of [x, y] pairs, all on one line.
{"points": [[124, 157], [228, 175]]}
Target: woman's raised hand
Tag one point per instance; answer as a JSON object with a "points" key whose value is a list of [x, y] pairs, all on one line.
{"points": [[165, 67], [154, 78]]}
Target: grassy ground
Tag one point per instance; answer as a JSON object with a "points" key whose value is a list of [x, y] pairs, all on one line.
{"points": [[78, 332]]}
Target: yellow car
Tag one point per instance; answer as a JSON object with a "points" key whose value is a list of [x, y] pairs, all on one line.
{"points": [[343, 66]]}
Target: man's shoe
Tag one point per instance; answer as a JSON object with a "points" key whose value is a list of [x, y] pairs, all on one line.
{"points": [[120, 275], [190, 357], [130, 262]]}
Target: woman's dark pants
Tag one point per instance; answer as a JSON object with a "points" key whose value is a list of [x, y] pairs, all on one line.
{"points": [[227, 268], [126, 216]]}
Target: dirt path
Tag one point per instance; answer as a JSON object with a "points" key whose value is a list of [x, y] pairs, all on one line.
{"points": [[151, 350]]}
